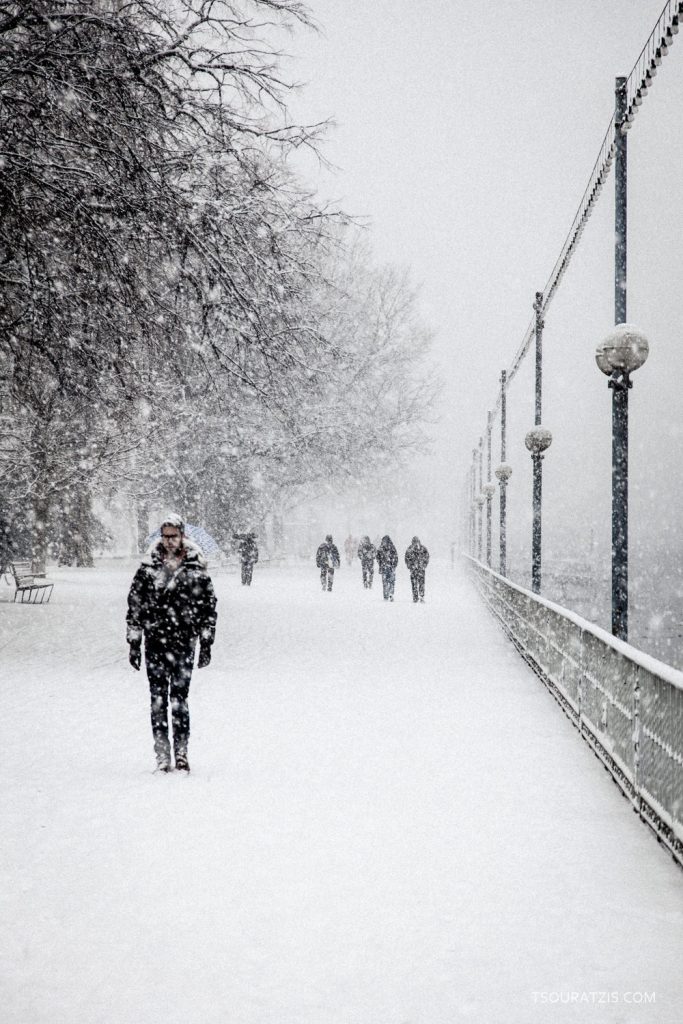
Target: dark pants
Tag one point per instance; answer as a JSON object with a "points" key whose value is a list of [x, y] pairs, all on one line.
{"points": [[388, 582], [417, 582], [326, 577], [247, 573], [169, 671], [368, 573]]}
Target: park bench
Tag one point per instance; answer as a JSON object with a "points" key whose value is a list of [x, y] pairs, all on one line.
{"points": [[28, 583]]}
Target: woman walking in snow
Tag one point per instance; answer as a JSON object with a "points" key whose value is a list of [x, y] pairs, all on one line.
{"points": [[172, 605]]}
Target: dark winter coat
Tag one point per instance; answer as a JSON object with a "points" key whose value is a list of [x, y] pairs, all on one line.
{"points": [[366, 551], [417, 556], [327, 556], [387, 555], [248, 550], [172, 608]]}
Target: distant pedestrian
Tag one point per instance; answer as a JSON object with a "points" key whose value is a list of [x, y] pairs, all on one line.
{"points": [[327, 560], [350, 548], [367, 552], [172, 604], [417, 559], [248, 556], [387, 560]]}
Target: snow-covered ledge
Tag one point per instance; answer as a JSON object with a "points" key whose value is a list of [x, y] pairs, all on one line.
{"points": [[646, 661], [626, 704]]}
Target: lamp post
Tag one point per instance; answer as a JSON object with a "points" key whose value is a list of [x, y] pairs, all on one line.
{"points": [[488, 489], [470, 513], [621, 126], [503, 473], [480, 499], [473, 504], [618, 355], [537, 440]]}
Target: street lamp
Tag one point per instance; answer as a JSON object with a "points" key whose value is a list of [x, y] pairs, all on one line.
{"points": [[473, 504], [480, 500], [488, 490], [537, 440], [503, 473], [618, 355]]}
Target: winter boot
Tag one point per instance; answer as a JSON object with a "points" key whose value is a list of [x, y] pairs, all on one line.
{"points": [[162, 750], [180, 754]]}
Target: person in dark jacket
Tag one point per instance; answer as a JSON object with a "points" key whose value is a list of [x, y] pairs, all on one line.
{"points": [[387, 560], [172, 604], [248, 556], [417, 559], [366, 553], [327, 560]]}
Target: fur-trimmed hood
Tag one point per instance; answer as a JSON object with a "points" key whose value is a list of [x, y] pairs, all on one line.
{"points": [[194, 555], [170, 604]]}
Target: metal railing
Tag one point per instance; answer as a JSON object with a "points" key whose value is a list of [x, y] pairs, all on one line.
{"points": [[626, 705]]}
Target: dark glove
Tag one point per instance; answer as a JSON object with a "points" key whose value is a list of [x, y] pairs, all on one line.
{"points": [[204, 655], [135, 656]]}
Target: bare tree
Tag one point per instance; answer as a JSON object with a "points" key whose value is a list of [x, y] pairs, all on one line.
{"points": [[112, 120], [162, 275]]}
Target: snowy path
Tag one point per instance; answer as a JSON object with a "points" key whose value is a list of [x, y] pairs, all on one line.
{"points": [[389, 820]]}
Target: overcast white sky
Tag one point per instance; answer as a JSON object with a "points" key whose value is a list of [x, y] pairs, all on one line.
{"points": [[466, 133]]}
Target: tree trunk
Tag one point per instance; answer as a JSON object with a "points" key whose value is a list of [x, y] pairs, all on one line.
{"points": [[83, 527], [75, 523], [142, 516], [40, 520], [63, 515]]}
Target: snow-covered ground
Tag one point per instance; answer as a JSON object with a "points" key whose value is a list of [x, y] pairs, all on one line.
{"points": [[388, 820]]}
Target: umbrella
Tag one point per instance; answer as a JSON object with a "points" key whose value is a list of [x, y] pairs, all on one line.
{"points": [[196, 533]]}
